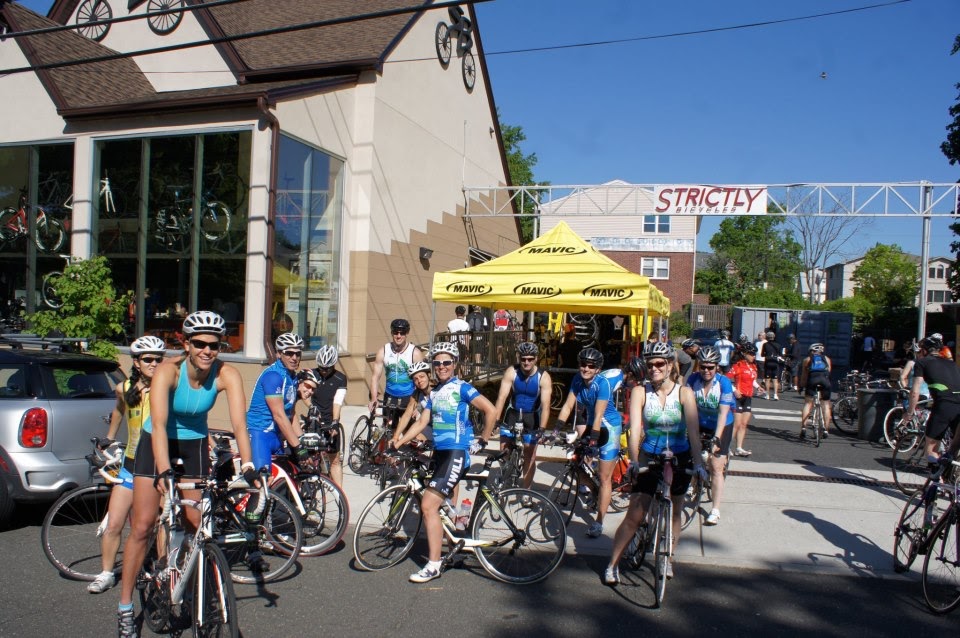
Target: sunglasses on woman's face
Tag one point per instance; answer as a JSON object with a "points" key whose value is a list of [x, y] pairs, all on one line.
{"points": [[200, 344], [709, 368], [150, 360], [448, 362], [588, 366], [657, 364]]}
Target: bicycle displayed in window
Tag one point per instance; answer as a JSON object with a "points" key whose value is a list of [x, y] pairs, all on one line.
{"points": [[517, 535], [173, 225], [49, 234], [48, 287]]}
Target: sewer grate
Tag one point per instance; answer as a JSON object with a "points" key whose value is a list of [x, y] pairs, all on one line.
{"points": [[864, 482]]}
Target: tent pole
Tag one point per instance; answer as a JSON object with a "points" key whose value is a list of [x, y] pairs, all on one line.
{"points": [[433, 322]]}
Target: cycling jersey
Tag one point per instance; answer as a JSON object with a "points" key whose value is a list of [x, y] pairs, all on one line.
{"points": [[136, 416], [942, 377], [187, 409], [274, 381], [614, 377], [525, 397], [743, 374], [725, 347], [597, 390], [449, 406], [664, 425], [330, 391], [709, 401], [395, 367]]}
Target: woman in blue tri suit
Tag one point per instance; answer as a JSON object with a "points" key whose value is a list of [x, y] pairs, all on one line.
{"points": [[448, 408], [715, 404], [591, 390], [663, 416], [181, 394]]}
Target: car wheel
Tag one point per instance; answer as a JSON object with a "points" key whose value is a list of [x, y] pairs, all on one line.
{"points": [[6, 505]]}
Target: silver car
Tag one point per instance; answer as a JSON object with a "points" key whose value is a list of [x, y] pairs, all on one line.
{"points": [[51, 405]]}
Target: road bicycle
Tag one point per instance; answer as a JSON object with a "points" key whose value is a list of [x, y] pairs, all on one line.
{"points": [[815, 419], [173, 225], [185, 579], [48, 286], [369, 441], [910, 466], [49, 234], [656, 531], [846, 410], [511, 465], [906, 433], [929, 526], [517, 535], [566, 492], [72, 529]]}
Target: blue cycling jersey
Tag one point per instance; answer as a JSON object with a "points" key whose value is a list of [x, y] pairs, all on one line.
{"points": [[449, 406], [275, 381], [597, 390], [188, 407], [614, 377], [709, 401], [526, 392]]}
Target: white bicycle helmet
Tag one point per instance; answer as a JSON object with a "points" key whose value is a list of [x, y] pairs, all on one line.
{"points": [[709, 354], [327, 356], [148, 344], [658, 350], [204, 322], [816, 348], [288, 341], [308, 376], [418, 366], [445, 347]]}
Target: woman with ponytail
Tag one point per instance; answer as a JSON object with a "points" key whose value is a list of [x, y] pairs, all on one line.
{"points": [[134, 401]]}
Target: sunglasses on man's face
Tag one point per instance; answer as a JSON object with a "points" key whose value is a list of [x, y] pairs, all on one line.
{"points": [[292, 353], [399, 332], [528, 358], [709, 368], [588, 366], [200, 344]]}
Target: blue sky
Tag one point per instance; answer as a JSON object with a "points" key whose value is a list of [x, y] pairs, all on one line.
{"points": [[741, 106]]}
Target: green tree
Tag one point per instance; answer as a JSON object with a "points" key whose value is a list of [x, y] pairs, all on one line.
{"points": [[951, 148], [521, 172], [887, 278], [776, 298], [91, 306], [862, 310], [715, 281]]}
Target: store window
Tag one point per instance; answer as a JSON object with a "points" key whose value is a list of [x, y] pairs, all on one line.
{"points": [[36, 182], [307, 243], [171, 217]]}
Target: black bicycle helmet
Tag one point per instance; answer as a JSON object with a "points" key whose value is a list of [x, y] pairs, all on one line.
{"points": [[708, 354], [637, 368], [400, 325], [591, 355], [933, 342], [689, 343], [749, 348], [658, 350], [527, 349]]}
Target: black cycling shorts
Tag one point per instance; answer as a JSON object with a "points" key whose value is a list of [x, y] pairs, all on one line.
{"points": [[744, 404], [771, 369], [818, 379], [530, 420], [450, 466], [945, 416], [646, 483], [194, 452]]}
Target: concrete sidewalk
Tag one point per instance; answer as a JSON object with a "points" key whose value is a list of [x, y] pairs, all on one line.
{"points": [[824, 520]]}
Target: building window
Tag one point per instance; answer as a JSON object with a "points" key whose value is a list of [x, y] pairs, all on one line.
{"points": [[307, 243], [939, 296], [655, 267], [656, 224], [937, 272]]}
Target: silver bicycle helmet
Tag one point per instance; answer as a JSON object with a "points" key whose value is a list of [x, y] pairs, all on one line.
{"points": [[724, 334], [689, 343], [816, 348], [327, 356], [770, 336], [288, 341], [933, 342], [708, 354], [445, 347], [204, 322], [658, 350], [147, 344], [418, 366], [527, 349]]}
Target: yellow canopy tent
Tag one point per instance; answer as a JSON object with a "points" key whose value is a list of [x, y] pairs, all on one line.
{"points": [[558, 271]]}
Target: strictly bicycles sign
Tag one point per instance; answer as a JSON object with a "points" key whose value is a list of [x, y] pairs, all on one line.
{"points": [[711, 200]]}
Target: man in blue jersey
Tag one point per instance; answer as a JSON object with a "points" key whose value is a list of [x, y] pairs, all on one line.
{"points": [[448, 408], [270, 415], [393, 362], [715, 404], [531, 389]]}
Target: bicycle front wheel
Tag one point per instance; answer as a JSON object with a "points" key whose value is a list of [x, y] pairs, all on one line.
{"points": [[890, 425], [279, 533], [215, 221], [845, 414], [387, 528], [563, 493], [50, 235], [816, 418], [523, 536], [910, 468], [941, 569], [327, 514], [214, 601], [661, 557], [908, 532], [72, 529]]}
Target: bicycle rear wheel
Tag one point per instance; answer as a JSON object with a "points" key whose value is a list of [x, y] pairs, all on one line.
{"points": [[359, 446], [387, 528], [622, 489], [637, 547], [71, 532], [816, 418], [524, 536], [563, 493], [890, 425], [941, 569], [50, 235], [845, 414], [910, 469], [662, 547], [279, 533], [327, 514], [908, 532], [214, 601]]}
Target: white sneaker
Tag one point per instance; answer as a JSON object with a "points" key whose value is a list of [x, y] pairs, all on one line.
{"points": [[595, 530], [714, 517], [611, 576], [103, 582], [425, 575]]}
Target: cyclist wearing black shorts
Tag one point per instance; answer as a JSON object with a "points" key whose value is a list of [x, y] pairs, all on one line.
{"points": [[943, 378], [328, 399], [814, 374], [531, 389]]}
